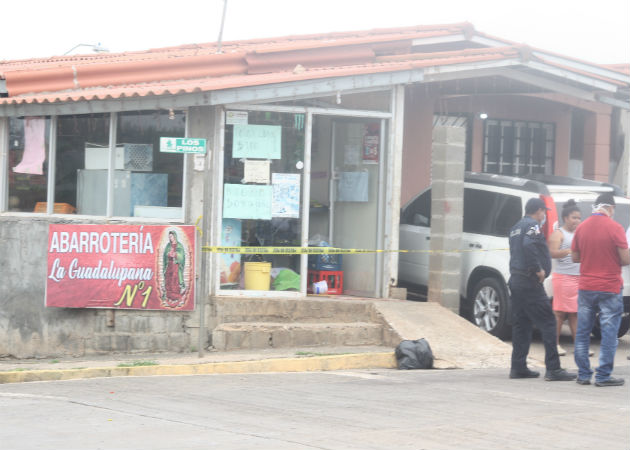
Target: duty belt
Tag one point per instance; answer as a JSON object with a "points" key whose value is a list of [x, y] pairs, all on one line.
{"points": [[522, 272]]}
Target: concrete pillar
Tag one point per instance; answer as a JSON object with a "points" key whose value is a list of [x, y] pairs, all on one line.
{"points": [[203, 122], [597, 146], [4, 163], [393, 187], [563, 143], [476, 155], [447, 208]]}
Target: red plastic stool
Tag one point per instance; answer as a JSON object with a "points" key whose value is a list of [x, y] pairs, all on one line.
{"points": [[334, 279]]}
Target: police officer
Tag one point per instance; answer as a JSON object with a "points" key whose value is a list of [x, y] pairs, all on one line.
{"points": [[530, 264]]}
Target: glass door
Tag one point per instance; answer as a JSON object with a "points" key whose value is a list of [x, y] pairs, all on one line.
{"points": [[347, 195], [262, 193]]}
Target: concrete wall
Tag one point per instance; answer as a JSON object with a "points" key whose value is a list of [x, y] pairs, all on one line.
{"points": [[417, 138], [29, 329], [597, 146]]}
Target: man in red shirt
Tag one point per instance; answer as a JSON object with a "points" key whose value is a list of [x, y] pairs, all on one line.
{"points": [[601, 248]]}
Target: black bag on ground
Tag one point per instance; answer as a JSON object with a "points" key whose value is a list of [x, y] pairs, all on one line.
{"points": [[414, 355]]}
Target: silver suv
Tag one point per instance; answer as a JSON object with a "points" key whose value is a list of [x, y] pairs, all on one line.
{"points": [[492, 205]]}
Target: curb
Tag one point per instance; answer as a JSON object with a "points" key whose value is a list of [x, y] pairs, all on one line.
{"points": [[385, 360]]}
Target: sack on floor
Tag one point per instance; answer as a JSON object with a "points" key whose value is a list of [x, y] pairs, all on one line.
{"points": [[414, 355]]}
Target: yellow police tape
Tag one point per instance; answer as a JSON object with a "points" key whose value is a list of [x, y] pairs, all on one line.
{"points": [[323, 250]]}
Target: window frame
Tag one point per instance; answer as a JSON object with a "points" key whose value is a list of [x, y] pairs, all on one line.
{"points": [[518, 148], [496, 203]]}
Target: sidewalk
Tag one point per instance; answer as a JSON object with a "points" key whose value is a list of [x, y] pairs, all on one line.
{"points": [[240, 361], [149, 364]]}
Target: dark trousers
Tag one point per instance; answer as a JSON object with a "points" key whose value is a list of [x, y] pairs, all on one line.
{"points": [[531, 306]]}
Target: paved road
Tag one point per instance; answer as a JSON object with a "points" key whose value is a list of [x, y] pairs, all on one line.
{"points": [[537, 350], [361, 409]]}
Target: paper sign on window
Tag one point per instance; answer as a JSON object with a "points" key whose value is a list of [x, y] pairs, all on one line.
{"points": [[243, 201], [286, 195], [257, 141], [352, 187], [256, 171]]}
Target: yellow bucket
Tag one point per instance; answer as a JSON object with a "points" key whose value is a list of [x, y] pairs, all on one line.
{"points": [[257, 276]]}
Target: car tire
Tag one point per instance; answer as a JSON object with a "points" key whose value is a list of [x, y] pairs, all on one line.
{"points": [[624, 326], [489, 307]]}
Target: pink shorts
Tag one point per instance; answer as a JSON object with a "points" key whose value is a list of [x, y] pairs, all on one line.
{"points": [[565, 292]]}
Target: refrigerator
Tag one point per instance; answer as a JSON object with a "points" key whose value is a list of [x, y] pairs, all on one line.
{"points": [[130, 189]]}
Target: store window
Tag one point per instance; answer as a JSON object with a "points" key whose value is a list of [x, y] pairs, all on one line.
{"points": [[262, 199], [155, 178], [82, 146], [518, 148], [28, 163], [146, 182]]}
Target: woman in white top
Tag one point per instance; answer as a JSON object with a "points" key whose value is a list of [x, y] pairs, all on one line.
{"points": [[565, 273]]}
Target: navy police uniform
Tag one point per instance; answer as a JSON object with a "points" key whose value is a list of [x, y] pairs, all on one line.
{"points": [[530, 304]]}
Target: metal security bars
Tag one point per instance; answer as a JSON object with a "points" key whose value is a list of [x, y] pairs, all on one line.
{"points": [[518, 147]]}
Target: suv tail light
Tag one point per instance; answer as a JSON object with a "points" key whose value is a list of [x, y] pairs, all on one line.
{"points": [[552, 216]]}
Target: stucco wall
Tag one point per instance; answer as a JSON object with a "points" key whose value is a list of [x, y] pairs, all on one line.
{"points": [[417, 139]]}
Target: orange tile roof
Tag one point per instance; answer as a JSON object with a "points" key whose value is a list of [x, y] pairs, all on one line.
{"points": [[198, 68]]}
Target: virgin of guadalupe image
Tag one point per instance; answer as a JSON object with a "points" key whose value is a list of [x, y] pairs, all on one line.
{"points": [[174, 261]]}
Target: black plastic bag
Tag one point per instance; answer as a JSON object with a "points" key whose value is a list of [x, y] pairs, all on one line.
{"points": [[414, 355]]}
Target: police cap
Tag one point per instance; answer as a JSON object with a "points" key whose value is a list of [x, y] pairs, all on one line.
{"points": [[534, 204]]}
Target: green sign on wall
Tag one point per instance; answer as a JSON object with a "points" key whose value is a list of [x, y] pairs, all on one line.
{"points": [[182, 145]]}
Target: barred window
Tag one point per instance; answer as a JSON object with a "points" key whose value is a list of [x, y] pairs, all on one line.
{"points": [[518, 148]]}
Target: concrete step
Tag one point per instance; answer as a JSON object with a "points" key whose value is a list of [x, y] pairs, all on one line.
{"points": [[260, 335], [311, 309]]}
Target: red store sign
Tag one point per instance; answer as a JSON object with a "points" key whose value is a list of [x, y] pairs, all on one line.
{"points": [[121, 267]]}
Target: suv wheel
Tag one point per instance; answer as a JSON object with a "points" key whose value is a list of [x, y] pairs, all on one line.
{"points": [[624, 326], [490, 307]]}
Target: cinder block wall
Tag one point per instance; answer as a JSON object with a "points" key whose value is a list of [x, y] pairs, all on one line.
{"points": [[29, 329]]}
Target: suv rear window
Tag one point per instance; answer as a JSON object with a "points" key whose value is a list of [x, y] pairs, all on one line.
{"points": [[490, 213], [419, 211], [485, 212]]}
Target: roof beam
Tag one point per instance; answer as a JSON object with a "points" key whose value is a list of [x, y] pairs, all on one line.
{"points": [[488, 42], [592, 68], [571, 76], [467, 70], [438, 40], [614, 102], [315, 88], [546, 83], [460, 37], [251, 94]]}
